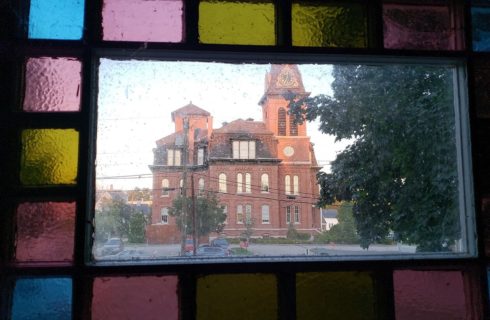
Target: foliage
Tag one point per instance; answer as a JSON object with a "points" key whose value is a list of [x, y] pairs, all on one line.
{"points": [[138, 194], [345, 230], [209, 214], [400, 171], [240, 252], [293, 234], [137, 224]]}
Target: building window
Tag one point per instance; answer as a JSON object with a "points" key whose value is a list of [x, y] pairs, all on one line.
{"points": [[264, 183], [293, 127], [248, 183], [200, 156], [222, 183], [296, 214], [288, 214], [281, 122], [248, 213], [164, 214], [296, 185], [225, 211], [201, 187], [243, 149], [174, 157], [181, 186], [239, 183], [165, 191], [239, 214], [265, 214], [287, 184]]}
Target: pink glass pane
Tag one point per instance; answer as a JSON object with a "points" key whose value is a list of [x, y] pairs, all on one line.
{"points": [[135, 298], [52, 84], [422, 27], [45, 232], [429, 295], [142, 20]]}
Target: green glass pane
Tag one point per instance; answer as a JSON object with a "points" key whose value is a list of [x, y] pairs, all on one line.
{"points": [[335, 295], [49, 156], [237, 22], [242, 296], [317, 25]]}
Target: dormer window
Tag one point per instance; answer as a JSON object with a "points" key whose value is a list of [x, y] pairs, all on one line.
{"points": [[200, 156], [244, 149], [174, 157]]}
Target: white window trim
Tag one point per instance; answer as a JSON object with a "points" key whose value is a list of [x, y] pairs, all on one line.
{"points": [[165, 193], [165, 209], [264, 183], [222, 187], [268, 214]]}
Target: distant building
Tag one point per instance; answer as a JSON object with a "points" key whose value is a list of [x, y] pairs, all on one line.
{"points": [[329, 218], [262, 171]]}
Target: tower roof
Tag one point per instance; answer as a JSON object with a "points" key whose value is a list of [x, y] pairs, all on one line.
{"points": [[190, 110], [244, 126]]}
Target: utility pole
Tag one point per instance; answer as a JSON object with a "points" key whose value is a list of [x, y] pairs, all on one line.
{"points": [[194, 218], [184, 186]]}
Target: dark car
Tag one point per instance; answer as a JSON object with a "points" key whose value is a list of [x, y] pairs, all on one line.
{"points": [[112, 246], [209, 251], [220, 242]]}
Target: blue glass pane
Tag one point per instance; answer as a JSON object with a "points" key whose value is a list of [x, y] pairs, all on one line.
{"points": [[40, 299], [56, 19], [481, 28]]}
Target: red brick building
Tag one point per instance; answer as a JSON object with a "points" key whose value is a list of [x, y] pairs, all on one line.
{"points": [[262, 171]]}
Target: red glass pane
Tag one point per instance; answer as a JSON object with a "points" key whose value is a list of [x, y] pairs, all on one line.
{"points": [[52, 84], [135, 298], [422, 27], [429, 295], [45, 232], [142, 20]]}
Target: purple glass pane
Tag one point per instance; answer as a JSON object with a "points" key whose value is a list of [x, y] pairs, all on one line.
{"points": [[45, 232], [422, 27], [135, 298], [52, 84], [429, 295], [142, 20]]}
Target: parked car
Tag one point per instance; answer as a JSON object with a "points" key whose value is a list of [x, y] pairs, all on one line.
{"points": [[189, 246], [209, 251], [220, 242], [112, 246], [127, 255]]}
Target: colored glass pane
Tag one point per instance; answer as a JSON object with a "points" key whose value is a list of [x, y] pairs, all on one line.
{"points": [[428, 295], [49, 156], [422, 27], [60, 20], [320, 25], [45, 232], [135, 298], [142, 20], [237, 22], [480, 21], [42, 298], [52, 84], [245, 296], [335, 295]]}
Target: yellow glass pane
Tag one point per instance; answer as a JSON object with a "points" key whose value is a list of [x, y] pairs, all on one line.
{"points": [[49, 156], [316, 25], [242, 296], [335, 295], [237, 22]]}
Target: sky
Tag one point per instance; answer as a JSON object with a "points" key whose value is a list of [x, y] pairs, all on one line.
{"points": [[136, 98]]}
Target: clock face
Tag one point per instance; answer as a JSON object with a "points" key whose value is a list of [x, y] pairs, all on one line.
{"points": [[288, 151]]}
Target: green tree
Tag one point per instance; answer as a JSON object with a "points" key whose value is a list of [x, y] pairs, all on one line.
{"points": [[137, 224], [138, 194], [400, 170], [112, 220], [345, 230], [209, 213]]}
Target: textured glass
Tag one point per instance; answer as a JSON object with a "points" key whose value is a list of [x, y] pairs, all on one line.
{"points": [[135, 298], [52, 84], [142, 20], [429, 295], [422, 27], [481, 85], [60, 20], [45, 232], [42, 298], [241, 296], [329, 26], [335, 295], [480, 21], [237, 22], [49, 156]]}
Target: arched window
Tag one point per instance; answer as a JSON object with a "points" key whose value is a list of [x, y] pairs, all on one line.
{"points": [[165, 190], [296, 185], [222, 183], [201, 187], [264, 183], [181, 186], [287, 184], [293, 126], [281, 122], [239, 183], [164, 214], [265, 214], [248, 183]]}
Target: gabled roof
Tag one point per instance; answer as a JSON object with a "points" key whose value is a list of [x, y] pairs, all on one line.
{"points": [[170, 139], [190, 110], [244, 126], [329, 213]]}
